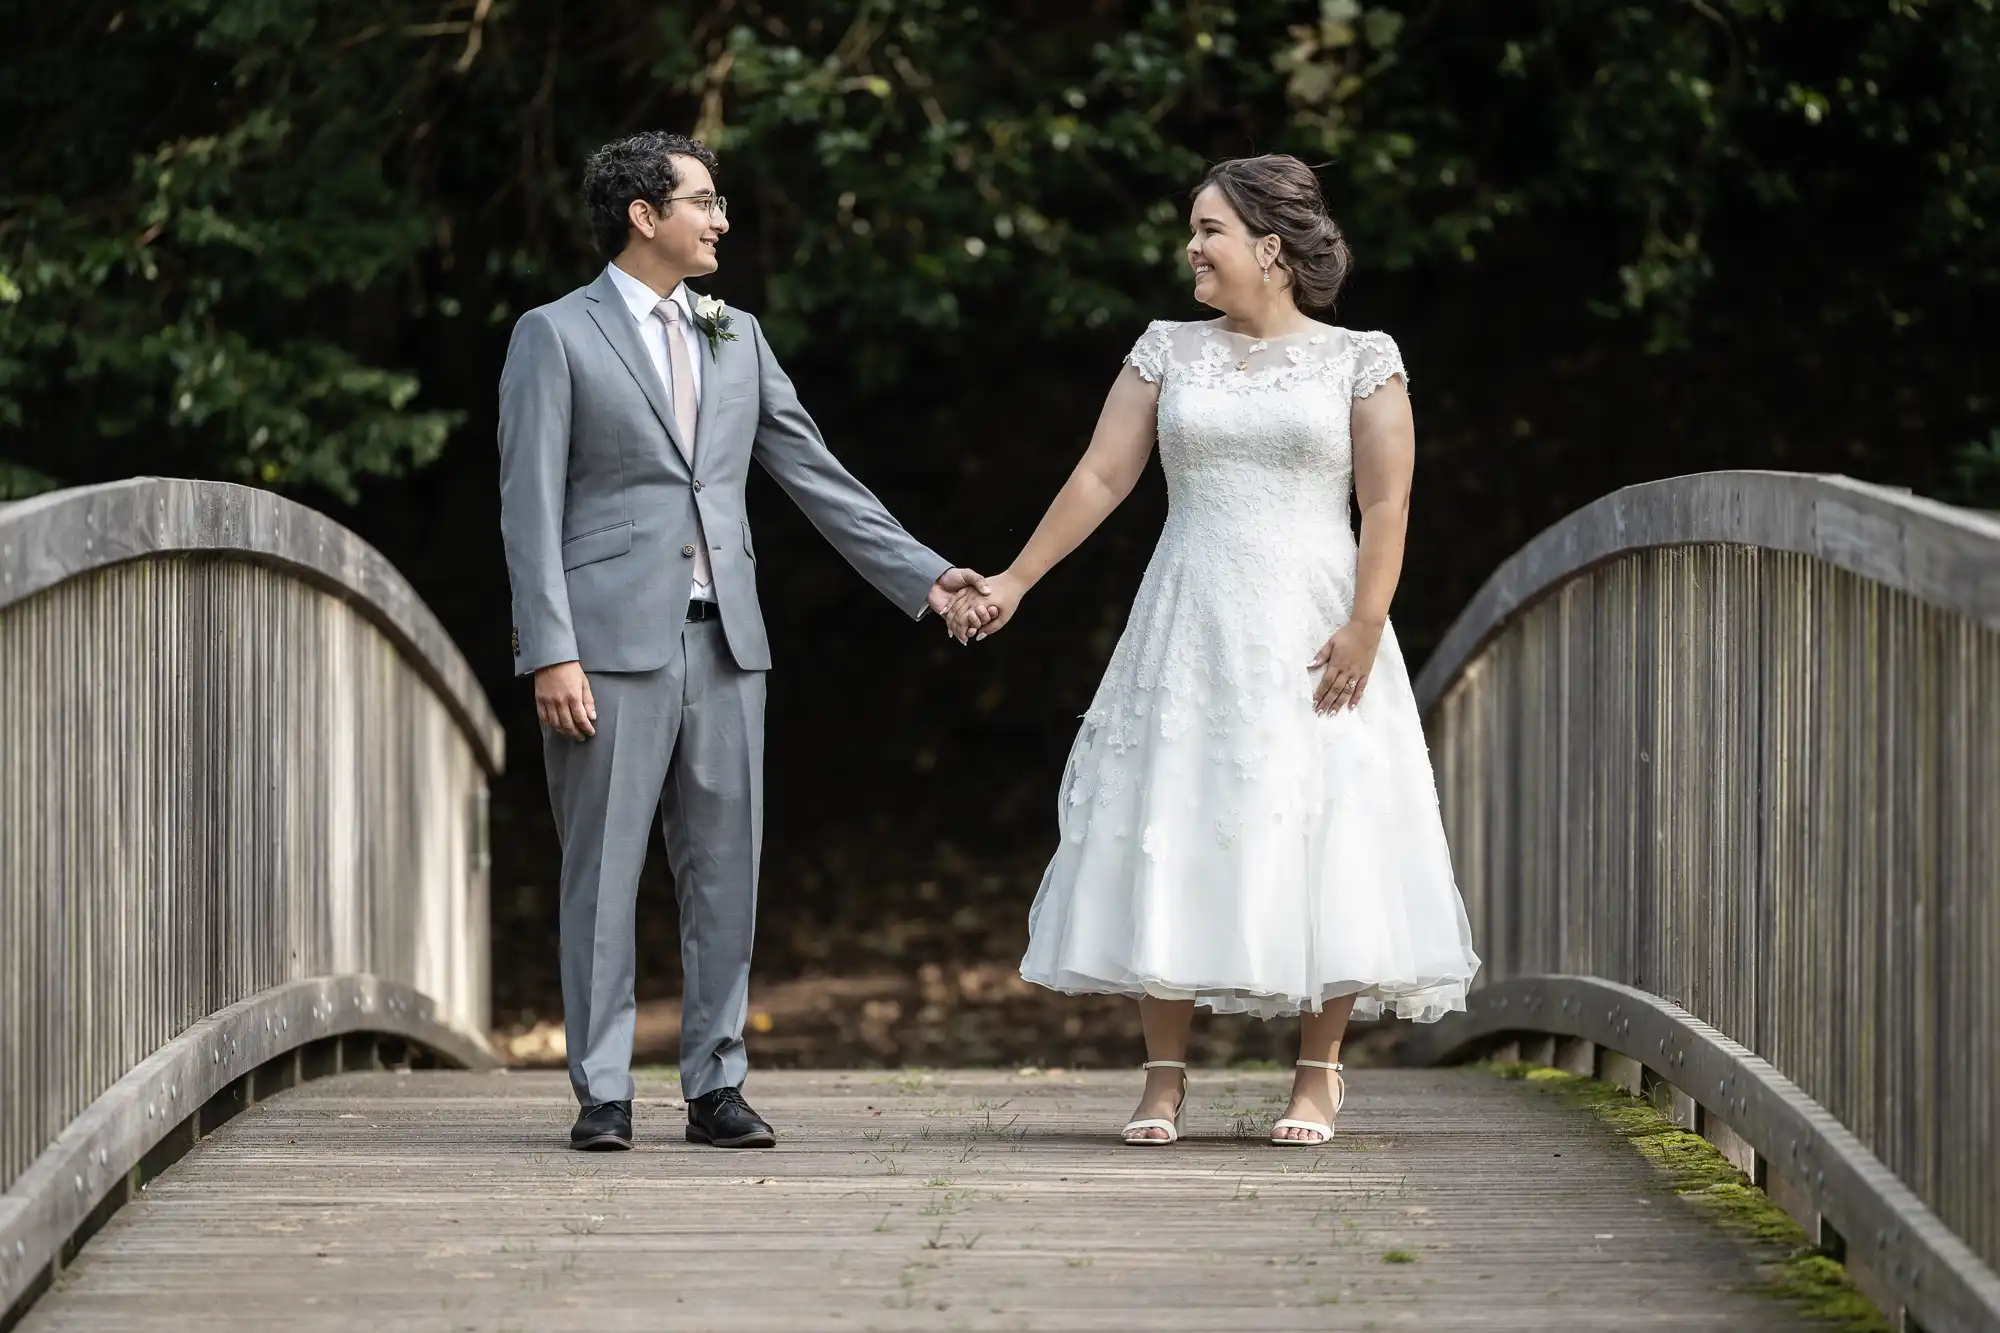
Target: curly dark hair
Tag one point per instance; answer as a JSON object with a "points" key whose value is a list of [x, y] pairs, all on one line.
{"points": [[1278, 195], [640, 166]]}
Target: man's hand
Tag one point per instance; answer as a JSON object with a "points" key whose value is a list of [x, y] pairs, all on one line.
{"points": [[951, 583], [563, 702]]}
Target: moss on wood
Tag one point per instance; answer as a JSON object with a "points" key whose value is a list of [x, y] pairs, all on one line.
{"points": [[1694, 1170]]}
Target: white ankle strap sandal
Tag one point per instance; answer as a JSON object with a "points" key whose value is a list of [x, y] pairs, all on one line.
{"points": [[1323, 1131], [1130, 1134]]}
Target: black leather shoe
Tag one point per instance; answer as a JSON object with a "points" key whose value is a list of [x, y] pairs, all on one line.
{"points": [[605, 1127], [724, 1120]]}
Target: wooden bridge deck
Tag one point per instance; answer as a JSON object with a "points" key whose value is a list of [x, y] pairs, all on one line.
{"points": [[898, 1201]]}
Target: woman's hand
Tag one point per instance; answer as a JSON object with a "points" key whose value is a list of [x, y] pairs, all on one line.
{"points": [[968, 613], [982, 614], [1349, 659]]}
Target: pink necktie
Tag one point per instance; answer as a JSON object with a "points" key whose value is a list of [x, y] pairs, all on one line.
{"points": [[686, 410]]}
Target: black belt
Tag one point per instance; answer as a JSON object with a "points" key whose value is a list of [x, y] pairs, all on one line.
{"points": [[699, 609]]}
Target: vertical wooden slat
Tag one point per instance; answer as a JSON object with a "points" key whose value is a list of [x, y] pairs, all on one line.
{"points": [[214, 777]]}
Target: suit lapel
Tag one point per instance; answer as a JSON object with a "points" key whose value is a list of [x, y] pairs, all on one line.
{"points": [[614, 321], [711, 378]]}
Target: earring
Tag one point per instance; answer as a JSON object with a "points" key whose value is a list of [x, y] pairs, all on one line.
{"points": [[1267, 273]]}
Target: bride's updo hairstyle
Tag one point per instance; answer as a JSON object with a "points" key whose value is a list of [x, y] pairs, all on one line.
{"points": [[1278, 195]]}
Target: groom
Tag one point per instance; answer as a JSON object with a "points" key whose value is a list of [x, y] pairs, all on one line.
{"points": [[629, 413]]}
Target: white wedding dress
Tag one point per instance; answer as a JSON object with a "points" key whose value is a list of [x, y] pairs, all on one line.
{"points": [[1220, 841]]}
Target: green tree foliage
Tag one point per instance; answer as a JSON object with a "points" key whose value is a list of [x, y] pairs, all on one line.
{"points": [[1668, 118], [208, 215], [235, 234]]}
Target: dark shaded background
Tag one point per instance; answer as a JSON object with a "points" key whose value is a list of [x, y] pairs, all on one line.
{"points": [[285, 243]]}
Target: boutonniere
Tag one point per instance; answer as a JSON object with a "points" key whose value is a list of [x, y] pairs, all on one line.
{"points": [[711, 316]]}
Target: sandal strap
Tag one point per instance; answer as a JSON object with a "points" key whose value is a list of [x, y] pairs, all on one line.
{"points": [[1172, 1127], [1172, 1131], [1339, 1083], [1325, 1131]]}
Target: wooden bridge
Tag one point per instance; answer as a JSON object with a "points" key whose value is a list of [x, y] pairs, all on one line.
{"points": [[1720, 761]]}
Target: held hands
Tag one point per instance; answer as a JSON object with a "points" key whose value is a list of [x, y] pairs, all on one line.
{"points": [[979, 613], [1349, 658], [952, 585]]}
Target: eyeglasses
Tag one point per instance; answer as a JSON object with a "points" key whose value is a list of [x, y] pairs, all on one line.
{"points": [[714, 204]]}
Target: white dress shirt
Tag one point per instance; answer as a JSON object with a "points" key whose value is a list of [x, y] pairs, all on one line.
{"points": [[640, 300]]}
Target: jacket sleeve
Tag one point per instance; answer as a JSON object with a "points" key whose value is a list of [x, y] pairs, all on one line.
{"points": [[847, 514], [534, 464]]}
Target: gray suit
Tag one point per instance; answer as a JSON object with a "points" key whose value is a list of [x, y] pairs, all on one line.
{"points": [[600, 513]]}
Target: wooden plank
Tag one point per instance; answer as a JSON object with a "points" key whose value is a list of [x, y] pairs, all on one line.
{"points": [[446, 1201]]}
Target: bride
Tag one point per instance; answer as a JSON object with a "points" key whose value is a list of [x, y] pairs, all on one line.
{"points": [[1248, 819]]}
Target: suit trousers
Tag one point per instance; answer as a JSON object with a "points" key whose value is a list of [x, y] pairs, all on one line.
{"points": [[687, 740]]}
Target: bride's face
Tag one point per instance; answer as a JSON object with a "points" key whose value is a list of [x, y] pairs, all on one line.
{"points": [[1222, 253]]}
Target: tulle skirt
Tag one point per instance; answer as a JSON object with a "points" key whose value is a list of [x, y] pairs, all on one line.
{"points": [[1224, 844]]}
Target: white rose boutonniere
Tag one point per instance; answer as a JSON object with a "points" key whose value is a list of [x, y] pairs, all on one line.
{"points": [[711, 316]]}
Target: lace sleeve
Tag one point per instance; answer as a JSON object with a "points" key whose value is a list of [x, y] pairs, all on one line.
{"points": [[1149, 355], [1376, 362]]}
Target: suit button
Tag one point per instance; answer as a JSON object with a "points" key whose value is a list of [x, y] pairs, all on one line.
{"points": [[687, 550], [697, 483]]}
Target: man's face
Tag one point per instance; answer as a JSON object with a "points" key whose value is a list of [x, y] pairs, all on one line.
{"points": [[684, 232]]}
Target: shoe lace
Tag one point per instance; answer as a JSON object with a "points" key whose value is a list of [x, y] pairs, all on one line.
{"points": [[722, 1097]]}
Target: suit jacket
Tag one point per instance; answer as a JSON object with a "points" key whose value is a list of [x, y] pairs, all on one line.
{"points": [[600, 509]]}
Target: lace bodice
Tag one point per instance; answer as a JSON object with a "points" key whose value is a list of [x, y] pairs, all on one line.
{"points": [[1278, 407], [1254, 437]]}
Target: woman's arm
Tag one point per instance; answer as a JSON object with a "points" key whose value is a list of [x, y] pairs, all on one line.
{"points": [[1106, 474], [1385, 459], [1385, 452]]}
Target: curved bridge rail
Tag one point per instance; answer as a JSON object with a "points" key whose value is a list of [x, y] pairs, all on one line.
{"points": [[242, 820], [1720, 759]]}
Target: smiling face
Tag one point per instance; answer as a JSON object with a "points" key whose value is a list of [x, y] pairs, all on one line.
{"points": [[1228, 262], [682, 238]]}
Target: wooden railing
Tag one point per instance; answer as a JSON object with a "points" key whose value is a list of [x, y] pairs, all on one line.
{"points": [[1719, 759], [242, 832]]}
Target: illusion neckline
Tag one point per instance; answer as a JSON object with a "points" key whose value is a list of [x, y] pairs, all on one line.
{"points": [[1317, 333]]}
